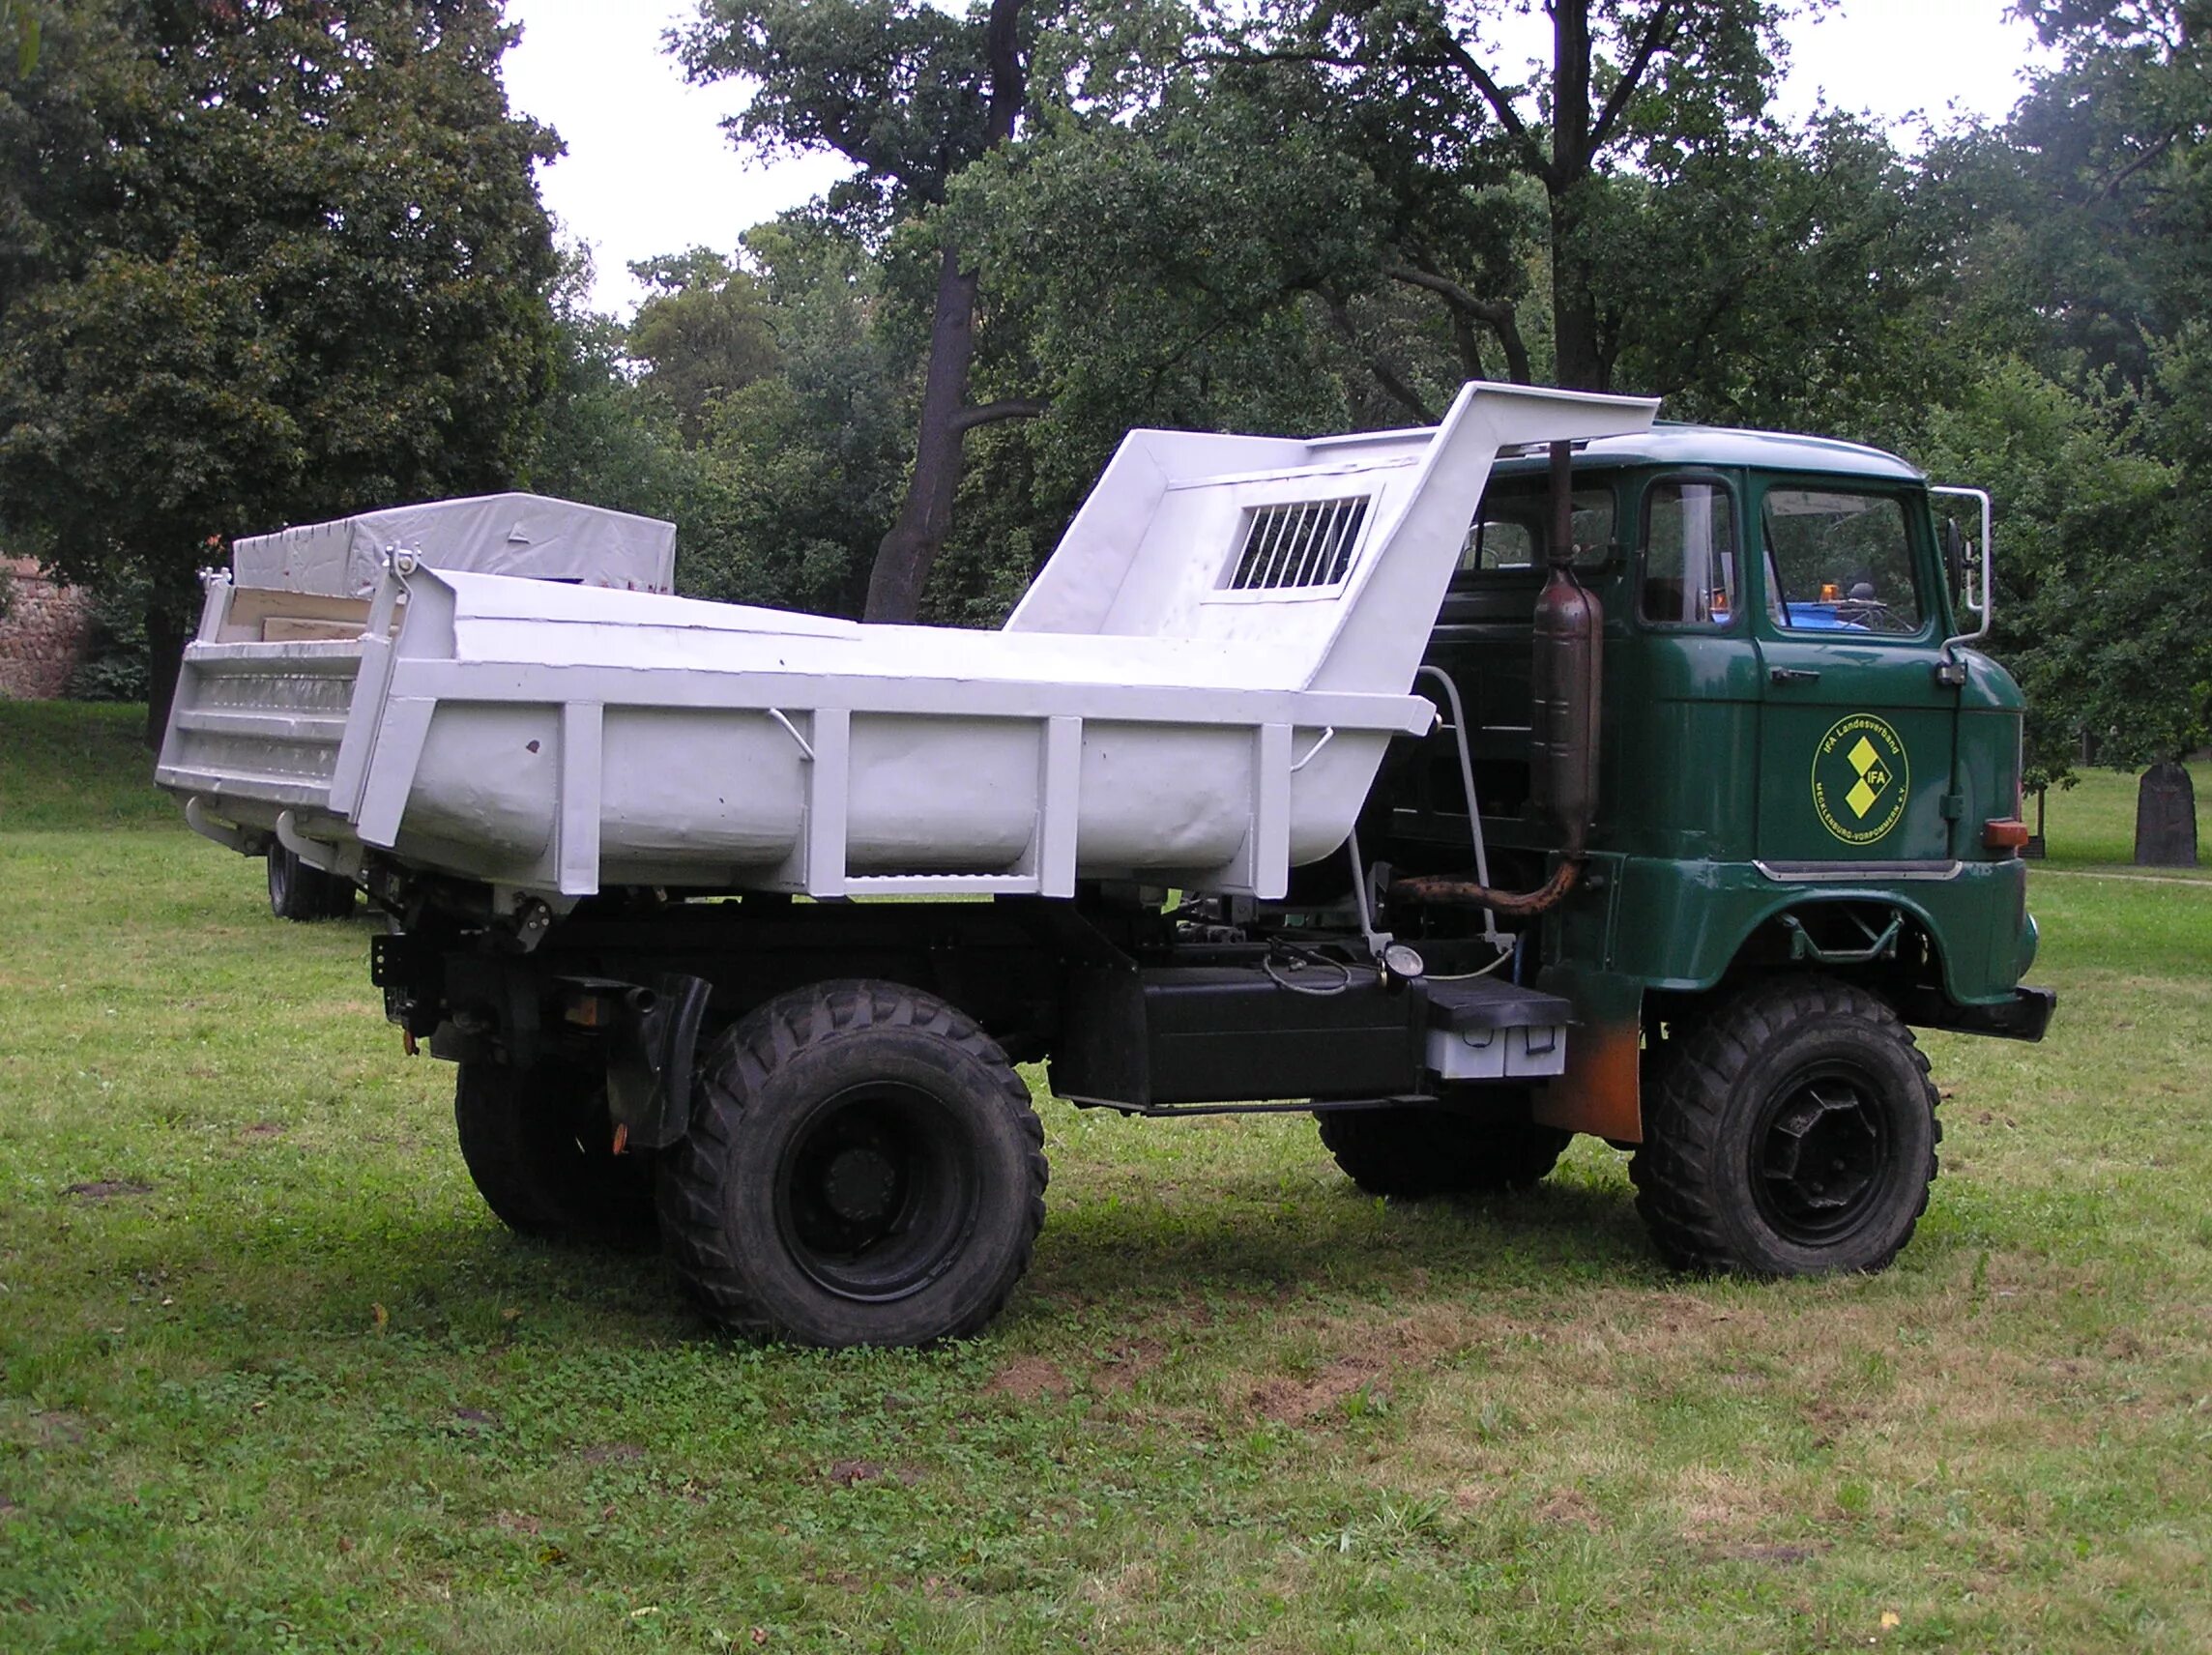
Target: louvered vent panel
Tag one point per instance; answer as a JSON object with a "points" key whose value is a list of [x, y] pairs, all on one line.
{"points": [[1303, 544]]}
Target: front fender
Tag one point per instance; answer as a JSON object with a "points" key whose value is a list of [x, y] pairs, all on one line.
{"points": [[1680, 926]]}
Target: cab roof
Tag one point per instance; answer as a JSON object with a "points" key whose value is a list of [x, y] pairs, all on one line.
{"points": [[1724, 446]]}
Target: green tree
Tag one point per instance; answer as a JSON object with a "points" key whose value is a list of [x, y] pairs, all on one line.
{"points": [[260, 263], [2093, 263], [702, 332], [1631, 87], [603, 439], [911, 95], [1334, 180], [1213, 230], [801, 469], [2116, 209], [16, 19]]}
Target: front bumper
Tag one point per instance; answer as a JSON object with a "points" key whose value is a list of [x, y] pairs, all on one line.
{"points": [[2023, 1017]]}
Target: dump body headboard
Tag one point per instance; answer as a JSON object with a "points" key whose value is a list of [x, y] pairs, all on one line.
{"points": [[1339, 548]]}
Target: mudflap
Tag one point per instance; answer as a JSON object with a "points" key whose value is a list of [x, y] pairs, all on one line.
{"points": [[651, 1057], [1602, 1093]]}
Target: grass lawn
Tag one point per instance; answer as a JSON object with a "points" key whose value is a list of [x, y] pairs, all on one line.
{"points": [[271, 1378]]}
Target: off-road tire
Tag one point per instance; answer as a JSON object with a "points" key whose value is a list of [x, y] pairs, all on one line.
{"points": [[305, 894], [1410, 1154], [540, 1150], [1802, 1067], [863, 1167]]}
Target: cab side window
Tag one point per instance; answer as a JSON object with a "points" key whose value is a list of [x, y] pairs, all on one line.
{"points": [[1511, 531], [1499, 543], [1838, 561], [1689, 576]]}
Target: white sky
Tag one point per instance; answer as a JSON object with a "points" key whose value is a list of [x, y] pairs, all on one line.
{"points": [[648, 170]]}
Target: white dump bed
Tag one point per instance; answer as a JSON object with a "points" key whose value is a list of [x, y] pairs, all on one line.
{"points": [[1196, 691]]}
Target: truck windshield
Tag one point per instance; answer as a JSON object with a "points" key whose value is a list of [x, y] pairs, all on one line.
{"points": [[1513, 526], [1838, 561]]}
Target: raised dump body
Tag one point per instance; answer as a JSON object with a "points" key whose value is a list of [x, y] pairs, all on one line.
{"points": [[1197, 691]]}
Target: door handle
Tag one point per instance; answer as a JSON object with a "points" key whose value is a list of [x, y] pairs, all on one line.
{"points": [[1795, 674]]}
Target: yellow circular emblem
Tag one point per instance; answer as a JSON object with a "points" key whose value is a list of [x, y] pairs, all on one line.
{"points": [[1861, 779]]}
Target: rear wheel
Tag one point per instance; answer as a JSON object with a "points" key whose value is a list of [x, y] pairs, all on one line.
{"points": [[1793, 1134], [539, 1147], [863, 1167], [300, 892], [1409, 1152]]}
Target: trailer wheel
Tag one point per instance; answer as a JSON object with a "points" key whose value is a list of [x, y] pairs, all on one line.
{"points": [[864, 1168], [299, 892], [538, 1146], [1409, 1154], [1794, 1134]]}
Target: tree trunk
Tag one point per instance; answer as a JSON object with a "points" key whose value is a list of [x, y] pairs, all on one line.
{"points": [[1579, 365], [165, 632], [903, 560], [904, 557], [1574, 307]]}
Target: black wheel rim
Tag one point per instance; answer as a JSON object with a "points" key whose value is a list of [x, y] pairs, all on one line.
{"points": [[875, 1194], [1822, 1153]]}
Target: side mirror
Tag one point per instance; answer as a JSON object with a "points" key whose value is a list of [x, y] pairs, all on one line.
{"points": [[1959, 565], [1970, 565]]}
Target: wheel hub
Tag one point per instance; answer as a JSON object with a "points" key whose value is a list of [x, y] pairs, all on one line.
{"points": [[874, 1203], [1821, 1156], [859, 1186]]}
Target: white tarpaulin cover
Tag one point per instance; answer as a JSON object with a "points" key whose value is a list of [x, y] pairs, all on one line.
{"points": [[491, 534]]}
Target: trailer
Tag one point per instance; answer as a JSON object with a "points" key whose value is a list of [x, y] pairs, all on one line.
{"points": [[1187, 827]]}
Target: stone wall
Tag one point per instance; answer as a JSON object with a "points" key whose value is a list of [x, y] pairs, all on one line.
{"points": [[43, 634]]}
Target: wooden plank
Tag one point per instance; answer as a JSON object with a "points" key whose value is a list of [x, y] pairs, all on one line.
{"points": [[287, 630], [255, 609]]}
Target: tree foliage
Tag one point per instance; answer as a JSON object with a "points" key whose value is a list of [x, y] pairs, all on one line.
{"points": [[2093, 274], [260, 263], [256, 266], [1629, 91], [702, 333], [910, 94]]}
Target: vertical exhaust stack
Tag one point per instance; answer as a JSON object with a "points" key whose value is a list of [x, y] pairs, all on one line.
{"points": [[1566, 675]]}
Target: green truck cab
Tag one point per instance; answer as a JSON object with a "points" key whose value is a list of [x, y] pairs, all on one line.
{"points": [[1808, 818]]}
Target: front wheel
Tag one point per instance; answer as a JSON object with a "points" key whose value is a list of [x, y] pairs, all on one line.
{"points": [[1793, 1134], [863, 1167]]}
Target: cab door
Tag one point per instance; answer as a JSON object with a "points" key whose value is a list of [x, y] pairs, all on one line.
{"points": [[1855, 733]]}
